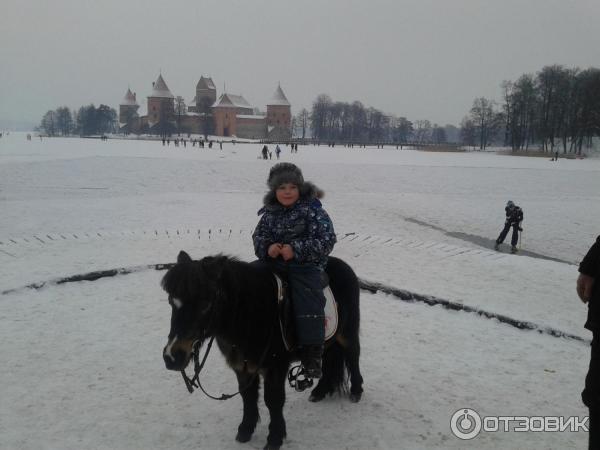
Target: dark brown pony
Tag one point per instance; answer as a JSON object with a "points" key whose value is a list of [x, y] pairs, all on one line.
{"points": [[236, 302]]}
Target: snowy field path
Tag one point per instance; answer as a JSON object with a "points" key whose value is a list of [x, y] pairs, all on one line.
{"points": [[83, 360]]}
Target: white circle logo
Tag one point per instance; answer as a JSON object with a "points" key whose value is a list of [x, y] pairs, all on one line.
{"points": [[465, 424]]}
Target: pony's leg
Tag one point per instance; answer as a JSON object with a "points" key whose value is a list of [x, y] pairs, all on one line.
{"points": [[250, 399], [275, 399], [352, 355], [333, 373]]}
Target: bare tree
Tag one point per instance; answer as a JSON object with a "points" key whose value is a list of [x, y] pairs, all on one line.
{"points": [[467, 132], [64, 120], [403, 130], [48, 124], [552, 86], [302, 122], [422, 131], [486, 120], [319, 116]]}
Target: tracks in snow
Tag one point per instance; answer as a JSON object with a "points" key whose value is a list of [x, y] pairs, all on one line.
{"points": [[357, 246]]}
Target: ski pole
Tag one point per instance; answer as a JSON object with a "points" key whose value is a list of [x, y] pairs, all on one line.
{"points": [[520, 238]]}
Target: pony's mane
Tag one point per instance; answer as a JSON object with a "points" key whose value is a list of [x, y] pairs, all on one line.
{"points": [[185, 274]]}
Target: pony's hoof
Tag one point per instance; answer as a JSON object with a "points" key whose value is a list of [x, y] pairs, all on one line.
{"points": [[243, 436], [355, 398], [271, 447]]}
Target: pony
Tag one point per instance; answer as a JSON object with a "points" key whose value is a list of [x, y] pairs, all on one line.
{"points": [[236, 302]]}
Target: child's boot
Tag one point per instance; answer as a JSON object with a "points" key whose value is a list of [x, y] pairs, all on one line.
{"points": [[311, 360]]}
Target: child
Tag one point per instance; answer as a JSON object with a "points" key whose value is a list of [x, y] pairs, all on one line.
{"points": [[295, 234]]}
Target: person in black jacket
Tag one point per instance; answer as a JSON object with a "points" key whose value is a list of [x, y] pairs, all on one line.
{"points": [[514, 217], [588, 290]]}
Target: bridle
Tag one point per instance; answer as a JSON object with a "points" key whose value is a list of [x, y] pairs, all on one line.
{"points": [[194, 382]]}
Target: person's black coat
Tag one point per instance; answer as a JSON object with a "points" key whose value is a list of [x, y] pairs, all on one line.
{"points": [[590, 265], [514, 215]]}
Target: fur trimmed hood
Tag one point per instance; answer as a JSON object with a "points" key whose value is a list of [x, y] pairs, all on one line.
{"points": [[308, 192], [286, 172]]}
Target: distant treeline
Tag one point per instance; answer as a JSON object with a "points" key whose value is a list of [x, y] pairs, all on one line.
{"points": [[556, 109], [87, 121], [333, 121]]}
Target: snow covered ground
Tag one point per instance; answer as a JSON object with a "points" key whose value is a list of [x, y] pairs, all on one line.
{"points": [[82, 361]]}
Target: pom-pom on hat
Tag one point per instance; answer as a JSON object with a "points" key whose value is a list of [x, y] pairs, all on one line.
{"points": [[282, 173]]}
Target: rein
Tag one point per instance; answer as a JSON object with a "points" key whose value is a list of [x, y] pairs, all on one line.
{"points": [[194, 382]]}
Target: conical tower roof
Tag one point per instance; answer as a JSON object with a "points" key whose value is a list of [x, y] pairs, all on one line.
{"points": [[129, 99], [205, 83], [160, 89], [279, 98]]}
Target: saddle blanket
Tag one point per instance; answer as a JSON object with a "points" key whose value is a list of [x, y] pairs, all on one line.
{"points": [[331, 314]]}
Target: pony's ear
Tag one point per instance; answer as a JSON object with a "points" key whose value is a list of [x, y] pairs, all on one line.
{"points": [[183, 257]]}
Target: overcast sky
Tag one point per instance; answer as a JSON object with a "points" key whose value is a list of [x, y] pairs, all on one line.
{"points": [[422, 59]]}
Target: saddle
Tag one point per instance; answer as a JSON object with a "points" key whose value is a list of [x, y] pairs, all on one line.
{"points": [[286, 313]]}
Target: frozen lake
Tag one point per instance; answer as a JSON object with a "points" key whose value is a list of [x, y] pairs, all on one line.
{"points": [[420, 221]]}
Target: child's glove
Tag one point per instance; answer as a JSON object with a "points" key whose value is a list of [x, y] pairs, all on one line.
{"points": [[274, 250], [287, 252]]}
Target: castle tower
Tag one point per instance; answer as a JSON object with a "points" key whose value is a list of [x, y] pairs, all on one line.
{"points": [[161, 104], [206, 94], [225, 112], [128, 111], [279, 115]]}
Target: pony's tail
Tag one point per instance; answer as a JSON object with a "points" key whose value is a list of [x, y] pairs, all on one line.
{"points": [[334, 367]]}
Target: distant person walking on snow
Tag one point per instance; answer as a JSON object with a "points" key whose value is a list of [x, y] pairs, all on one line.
{"points": [[514, 217], [588, 290]]}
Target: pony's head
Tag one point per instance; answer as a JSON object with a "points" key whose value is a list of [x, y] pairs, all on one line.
{"points": [[191, 289]]}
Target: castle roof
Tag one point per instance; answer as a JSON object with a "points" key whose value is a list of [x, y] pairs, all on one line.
{"points": [[232, 101], [205, 83], [160, 89], [279, 98], [129, 99]]}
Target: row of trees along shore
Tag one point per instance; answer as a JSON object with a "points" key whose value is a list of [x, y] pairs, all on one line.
{"points": [[556, 109], [86, 121], [334, 121]]}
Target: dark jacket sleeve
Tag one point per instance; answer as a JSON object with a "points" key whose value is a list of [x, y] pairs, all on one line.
{"points": [[319, 240], [590, 265], [262, 238]]}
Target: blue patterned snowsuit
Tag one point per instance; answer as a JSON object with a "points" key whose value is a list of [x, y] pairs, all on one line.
{"points": [[305, 226]]}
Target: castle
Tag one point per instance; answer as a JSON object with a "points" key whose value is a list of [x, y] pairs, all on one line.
{"points": [[229, 115]]}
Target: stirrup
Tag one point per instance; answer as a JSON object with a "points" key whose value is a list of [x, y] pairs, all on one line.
{"points": [[298, 379]]}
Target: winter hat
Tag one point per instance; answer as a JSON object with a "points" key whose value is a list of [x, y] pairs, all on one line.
{"points": [[284, 173], [510, 204]]}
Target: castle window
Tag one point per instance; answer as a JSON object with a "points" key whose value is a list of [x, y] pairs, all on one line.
{"points": [[154, 108], [226, 116]]}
